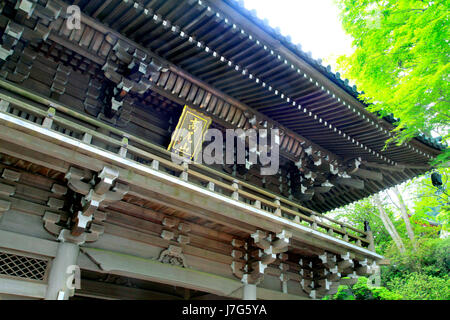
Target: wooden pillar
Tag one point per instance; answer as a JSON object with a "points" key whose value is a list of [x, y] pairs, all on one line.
{"points": [[66, 256], [249, 292]]}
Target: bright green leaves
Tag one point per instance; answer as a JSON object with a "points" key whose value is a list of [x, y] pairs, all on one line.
{"points": [[362, 291], [431, 204], [401, 61]]}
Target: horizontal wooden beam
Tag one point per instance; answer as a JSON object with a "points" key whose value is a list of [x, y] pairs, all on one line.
{"points": [[143, 177], [366, 174], [60, 108], [397, 168], [349, 182], [20, 242], [151, 270], [111, 291], [22, 288]]}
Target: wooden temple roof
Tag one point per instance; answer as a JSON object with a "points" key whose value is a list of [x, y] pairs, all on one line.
{"points": [[221, 59], [77, 164]]}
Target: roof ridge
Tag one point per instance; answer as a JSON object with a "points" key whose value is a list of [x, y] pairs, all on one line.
{"points": [[317, 64]]}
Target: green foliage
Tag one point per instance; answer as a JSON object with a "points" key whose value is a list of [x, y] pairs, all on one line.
{"points": [[401, 62], [431, 204], [421, 274], [344, 293], [419, 286], [361, 291], [364, 210], [431, 258], [382, 293]]}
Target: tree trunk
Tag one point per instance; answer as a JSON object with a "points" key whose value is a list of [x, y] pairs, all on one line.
{"points": [[388, 224], [405, 216]]}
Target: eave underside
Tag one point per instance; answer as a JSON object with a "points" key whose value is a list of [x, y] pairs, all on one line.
{"points": [[86, 53], [270, 67]]}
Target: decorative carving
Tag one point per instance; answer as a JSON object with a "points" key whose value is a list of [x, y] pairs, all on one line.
{"points": [[88, 191], [59, 189], [345, 263], [183, 239], [74, 177], [249, 265], [94, 192], [184, 227], [80, 223], [128, 69], [323, 276], [55, 203], [60, 79], [259, 239], [117, 193], [107, 177], [66, 236], [328, 260], [91, 202], [173, 255], [167, 235], [283, 240], [169, 222], [94, 232], [50, 222]]}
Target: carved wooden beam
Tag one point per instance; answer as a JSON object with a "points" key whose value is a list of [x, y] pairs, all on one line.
{"points": [[349, 182], [396, 168], [260, 240], [366, 174]]}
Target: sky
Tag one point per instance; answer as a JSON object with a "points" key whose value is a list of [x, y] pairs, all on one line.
{"points": [[312, 23]]}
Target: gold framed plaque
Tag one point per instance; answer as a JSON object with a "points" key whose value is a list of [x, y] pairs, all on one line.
{"points": [[189, 133]]}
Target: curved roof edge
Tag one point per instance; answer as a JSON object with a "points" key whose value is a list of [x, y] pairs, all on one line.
{"points": [[317, 64]]}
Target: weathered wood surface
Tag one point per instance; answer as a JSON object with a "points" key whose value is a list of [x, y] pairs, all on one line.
{"points": [[209, 251], [170, 165], [109, 157], [180, 86]]}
